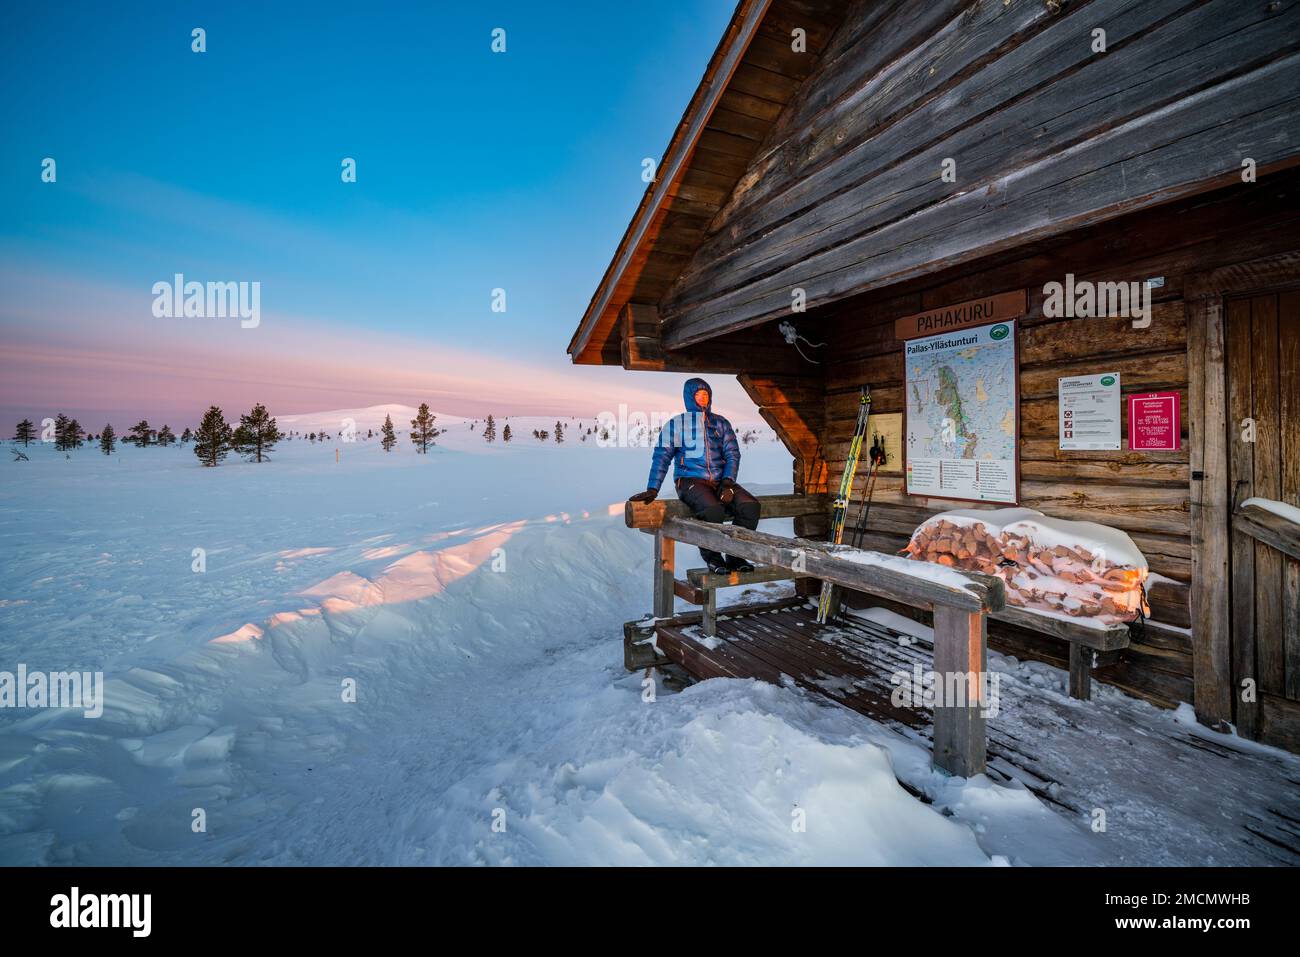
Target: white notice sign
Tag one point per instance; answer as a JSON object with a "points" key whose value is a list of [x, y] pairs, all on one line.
{"points": [[1089, 411]]}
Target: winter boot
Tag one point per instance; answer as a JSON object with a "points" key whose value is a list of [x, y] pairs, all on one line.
{"points": [[716, 562]]}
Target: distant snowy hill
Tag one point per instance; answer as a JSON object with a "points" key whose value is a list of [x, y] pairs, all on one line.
{"points": [[462, 432], [368, 418]]}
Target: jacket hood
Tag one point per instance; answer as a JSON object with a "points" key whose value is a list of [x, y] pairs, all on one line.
{"points": [[689, 388]]}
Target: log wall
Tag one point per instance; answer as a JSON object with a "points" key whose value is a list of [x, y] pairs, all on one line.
{"points": [[1147, 494]]}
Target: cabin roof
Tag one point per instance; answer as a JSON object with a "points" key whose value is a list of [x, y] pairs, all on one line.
{"points": [[752, 75], [815, 174]]}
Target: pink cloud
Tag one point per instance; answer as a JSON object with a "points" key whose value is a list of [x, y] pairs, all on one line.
{"points": [[95, 351]]}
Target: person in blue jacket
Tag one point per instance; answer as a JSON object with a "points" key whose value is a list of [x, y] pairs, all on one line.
{"points": [[706, 457]]}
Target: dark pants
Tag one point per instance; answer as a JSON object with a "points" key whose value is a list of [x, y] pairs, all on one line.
{"points": [[701, 497]]}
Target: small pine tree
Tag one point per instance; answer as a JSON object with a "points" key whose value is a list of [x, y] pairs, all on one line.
{"points": [[559, 434], [422, 430], [505, 434], [139, 434], [67, 433], [213, 437], [186, 435], [166, 436], [390, 437], [490, 430], [61, 431], [26, 432], [107, 440], [256, 434]]}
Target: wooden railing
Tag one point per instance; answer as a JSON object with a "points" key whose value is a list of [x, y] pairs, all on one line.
{"points": [[1267, 527], [960, 601]]}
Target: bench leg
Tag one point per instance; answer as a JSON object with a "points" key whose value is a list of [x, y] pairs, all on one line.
{"points": [[1080, 671], [960, 663], [665, 559], [710, 617]]}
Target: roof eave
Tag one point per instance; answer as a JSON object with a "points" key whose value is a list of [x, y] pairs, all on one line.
{"points": [[731, 49]]}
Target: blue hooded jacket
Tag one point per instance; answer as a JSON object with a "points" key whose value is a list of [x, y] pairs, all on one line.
{"points": [[699, 443]]}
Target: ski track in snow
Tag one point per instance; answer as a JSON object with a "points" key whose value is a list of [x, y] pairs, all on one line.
{"points": [[482, 696]]}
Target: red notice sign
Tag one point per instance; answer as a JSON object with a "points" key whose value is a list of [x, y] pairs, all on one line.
{"points": [[1153, 422]]}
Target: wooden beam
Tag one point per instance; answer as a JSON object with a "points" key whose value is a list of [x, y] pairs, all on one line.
{"points": [[1241, 549], [649, 515], [796, 411], [831, 563], [1101, 639], [703, 578], [638, 649], [1267, 527], [640, 345], [960, 664], [688, 592], [1211, 653]]}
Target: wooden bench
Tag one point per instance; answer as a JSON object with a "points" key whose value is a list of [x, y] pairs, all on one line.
{"points": [[1092, 648], [1089, 647], [959, 601], [705, 585]]}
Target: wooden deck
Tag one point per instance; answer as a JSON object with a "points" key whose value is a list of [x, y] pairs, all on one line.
{"points": [[1114, 753]]}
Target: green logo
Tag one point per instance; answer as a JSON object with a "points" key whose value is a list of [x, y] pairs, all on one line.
{"points": [[999, 332], [1108, 380]]}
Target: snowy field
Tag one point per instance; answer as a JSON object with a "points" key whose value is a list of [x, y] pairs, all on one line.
{"points": [[474, 597]]}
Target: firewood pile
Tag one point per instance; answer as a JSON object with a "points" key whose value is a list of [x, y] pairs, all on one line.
{"points": [[1079, 569]]}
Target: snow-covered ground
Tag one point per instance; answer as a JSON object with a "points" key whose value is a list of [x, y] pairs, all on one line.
{"points": [[474, 599]]}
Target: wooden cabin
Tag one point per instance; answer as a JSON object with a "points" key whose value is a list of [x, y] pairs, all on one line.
{"points": [[872, 171]]}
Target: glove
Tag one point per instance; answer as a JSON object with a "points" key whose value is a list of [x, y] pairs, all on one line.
{"points": [[649, 495], [726, 490]]}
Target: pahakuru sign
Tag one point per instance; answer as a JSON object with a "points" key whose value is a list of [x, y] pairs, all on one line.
{"points": [[975, 312]]}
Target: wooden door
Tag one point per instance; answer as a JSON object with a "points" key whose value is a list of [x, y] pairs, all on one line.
{"points": [[1262, 334]]}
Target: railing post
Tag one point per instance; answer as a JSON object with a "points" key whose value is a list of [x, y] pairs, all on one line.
{"points": [[960, 665], [665, 571]]}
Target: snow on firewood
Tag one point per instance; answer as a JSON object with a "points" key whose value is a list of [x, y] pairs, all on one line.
{"points": [[1078, 569]]}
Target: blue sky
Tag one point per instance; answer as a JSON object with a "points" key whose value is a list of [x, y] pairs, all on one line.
{"points": [[475, 170]]}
